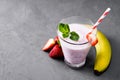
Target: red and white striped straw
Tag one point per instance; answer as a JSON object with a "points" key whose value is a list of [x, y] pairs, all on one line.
{"points": [[101, 18], [91, 38]]}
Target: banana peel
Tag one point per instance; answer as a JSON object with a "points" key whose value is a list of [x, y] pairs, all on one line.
{"points": [[103, 53]]}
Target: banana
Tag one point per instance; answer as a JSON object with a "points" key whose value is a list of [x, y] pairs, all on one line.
{"points": [[103, 53]]}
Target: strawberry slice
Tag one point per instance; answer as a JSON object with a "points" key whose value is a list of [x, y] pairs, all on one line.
{"points": [[89, 38], [94, 42], [92, 39], [49, 45], [56, 52]]}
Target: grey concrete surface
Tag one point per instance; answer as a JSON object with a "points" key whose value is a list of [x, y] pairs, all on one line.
{"points": [[26, 25]]}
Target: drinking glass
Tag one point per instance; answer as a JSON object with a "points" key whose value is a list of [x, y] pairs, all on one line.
{"points": [[75, 52]]}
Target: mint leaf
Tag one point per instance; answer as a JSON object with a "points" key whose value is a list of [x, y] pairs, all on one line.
{"points": [[65, 35], [74, 36], [64, 28]]}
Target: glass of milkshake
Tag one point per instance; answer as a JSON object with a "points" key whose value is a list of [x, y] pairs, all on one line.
{"points": [[75, 49]]}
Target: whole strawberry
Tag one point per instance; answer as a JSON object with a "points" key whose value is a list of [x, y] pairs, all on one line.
{"points": [[56, 52]]}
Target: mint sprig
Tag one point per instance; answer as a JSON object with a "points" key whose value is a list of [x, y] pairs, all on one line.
{"points": [[65, 30]]}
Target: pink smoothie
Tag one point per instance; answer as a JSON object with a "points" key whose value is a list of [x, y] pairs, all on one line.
{"points": [[75, 52]]}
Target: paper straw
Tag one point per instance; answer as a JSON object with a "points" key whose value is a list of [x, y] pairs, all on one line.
{"points": [[91, 37], [101, 18]]}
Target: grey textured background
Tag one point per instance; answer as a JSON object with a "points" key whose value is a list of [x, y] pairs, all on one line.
{"points": [[26, 25]]}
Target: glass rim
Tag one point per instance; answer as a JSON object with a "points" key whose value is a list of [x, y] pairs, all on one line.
{"points": [[77, 17]]}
